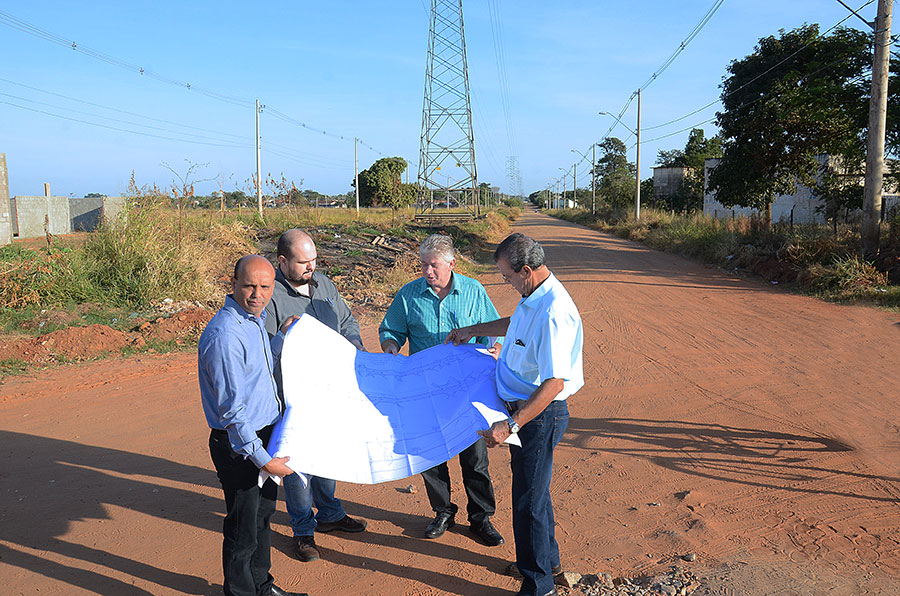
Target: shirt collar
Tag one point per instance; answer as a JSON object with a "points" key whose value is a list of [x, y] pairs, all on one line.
{"points": [[426, 289], [233, 307], [539, 292]]}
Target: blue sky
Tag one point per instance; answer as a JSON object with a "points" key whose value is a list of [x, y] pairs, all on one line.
{"points": [[352, 69]]}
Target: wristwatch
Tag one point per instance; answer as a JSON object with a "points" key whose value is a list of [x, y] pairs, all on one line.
{"points": [[513, 425]]}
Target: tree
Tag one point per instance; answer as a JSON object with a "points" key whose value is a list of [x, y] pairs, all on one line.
{"points": [[615, 174], [697, 150], [840, 192], [380, 185], [796, 96]]}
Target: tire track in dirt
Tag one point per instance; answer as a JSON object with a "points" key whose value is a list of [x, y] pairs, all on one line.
{"points": [[719, 416]]}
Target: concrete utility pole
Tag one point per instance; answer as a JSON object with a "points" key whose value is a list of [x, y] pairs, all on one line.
{"points": [[637, 160], [564, 186], [574, 185], [356, 172], [593, 175], [259, 204], [874, 184]]}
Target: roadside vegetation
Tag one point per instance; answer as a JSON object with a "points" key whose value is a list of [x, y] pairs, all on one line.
{"points": [[160, 259], [818, 260]]}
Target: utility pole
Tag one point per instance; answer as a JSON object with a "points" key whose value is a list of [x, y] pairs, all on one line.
{"points": [[564, 189], [356, 172], [259, 204], [637, 176], [574, 185], [874, 184], [593, 175]]}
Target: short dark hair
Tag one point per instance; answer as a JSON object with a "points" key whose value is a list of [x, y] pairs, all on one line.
{"points": [[520, 250], [284, 246]]}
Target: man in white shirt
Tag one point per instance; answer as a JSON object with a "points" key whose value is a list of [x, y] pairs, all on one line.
{"points": [[539, 366]]}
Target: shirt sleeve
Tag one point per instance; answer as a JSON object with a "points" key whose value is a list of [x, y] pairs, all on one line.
{"points": [[395, 324], [556, 339], [225, 372], [348, 324], [271, 318]]}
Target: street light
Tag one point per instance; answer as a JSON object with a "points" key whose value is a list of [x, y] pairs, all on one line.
{"points": [[637, 176], [564, 186], [593, 172]]}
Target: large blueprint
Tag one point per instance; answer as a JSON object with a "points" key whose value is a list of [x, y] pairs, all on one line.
{"points": [[363, 417]]}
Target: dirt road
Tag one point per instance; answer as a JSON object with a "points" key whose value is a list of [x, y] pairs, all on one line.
{"points": [[723, 417]]}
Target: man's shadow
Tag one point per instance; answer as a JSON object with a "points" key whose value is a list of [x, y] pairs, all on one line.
{"points": [[410, 538], [56, 483]]}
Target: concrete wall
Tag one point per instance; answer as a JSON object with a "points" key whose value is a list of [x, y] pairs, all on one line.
{"points": [[33, 212], [6, 221], [803, 203], [88, 213], [667, 181], [113, 208]]}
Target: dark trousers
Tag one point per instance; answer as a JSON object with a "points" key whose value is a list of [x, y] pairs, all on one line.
{"points": [[476, 479], [245, 548], [533, 525]]}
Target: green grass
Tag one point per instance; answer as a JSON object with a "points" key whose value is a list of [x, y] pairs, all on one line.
{"points": [[827, 262], [13, 366]]}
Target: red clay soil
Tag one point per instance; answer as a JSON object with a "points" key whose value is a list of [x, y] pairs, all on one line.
{"points": [[720, 416], [91, 341]]}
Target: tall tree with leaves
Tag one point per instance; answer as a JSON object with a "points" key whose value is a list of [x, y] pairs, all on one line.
{"points": [[796, 96], [615, 174], [380, 185], [697, 149]]}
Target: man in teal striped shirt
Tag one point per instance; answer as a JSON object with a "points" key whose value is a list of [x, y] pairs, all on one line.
{"points": [[423, 312]]}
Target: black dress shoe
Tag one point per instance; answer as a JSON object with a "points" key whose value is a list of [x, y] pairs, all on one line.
{"points": [[441, 523], [487, 533], [276, 591]]}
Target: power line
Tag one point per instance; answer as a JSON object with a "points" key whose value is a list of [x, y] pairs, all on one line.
{"points": [[97, 105], [681, 47], [146, 134], [129, 122], [26, 27], [829, 30]]}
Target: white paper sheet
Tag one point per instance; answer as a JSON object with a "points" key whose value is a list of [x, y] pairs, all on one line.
{"points": [[367, 418]]}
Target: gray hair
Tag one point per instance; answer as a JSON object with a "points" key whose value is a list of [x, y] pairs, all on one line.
{"points": [[438, 245], [520, 250]]}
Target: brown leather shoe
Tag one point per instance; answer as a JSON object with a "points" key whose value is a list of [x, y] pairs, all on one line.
{"points": [[305, 548]]}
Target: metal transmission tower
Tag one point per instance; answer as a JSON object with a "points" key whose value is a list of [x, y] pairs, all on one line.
{"points": [[447, 174], [513, 177]]}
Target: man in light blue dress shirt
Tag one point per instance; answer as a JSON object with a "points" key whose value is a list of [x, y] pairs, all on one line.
{"points": [[237, 391], [540, 366]]}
